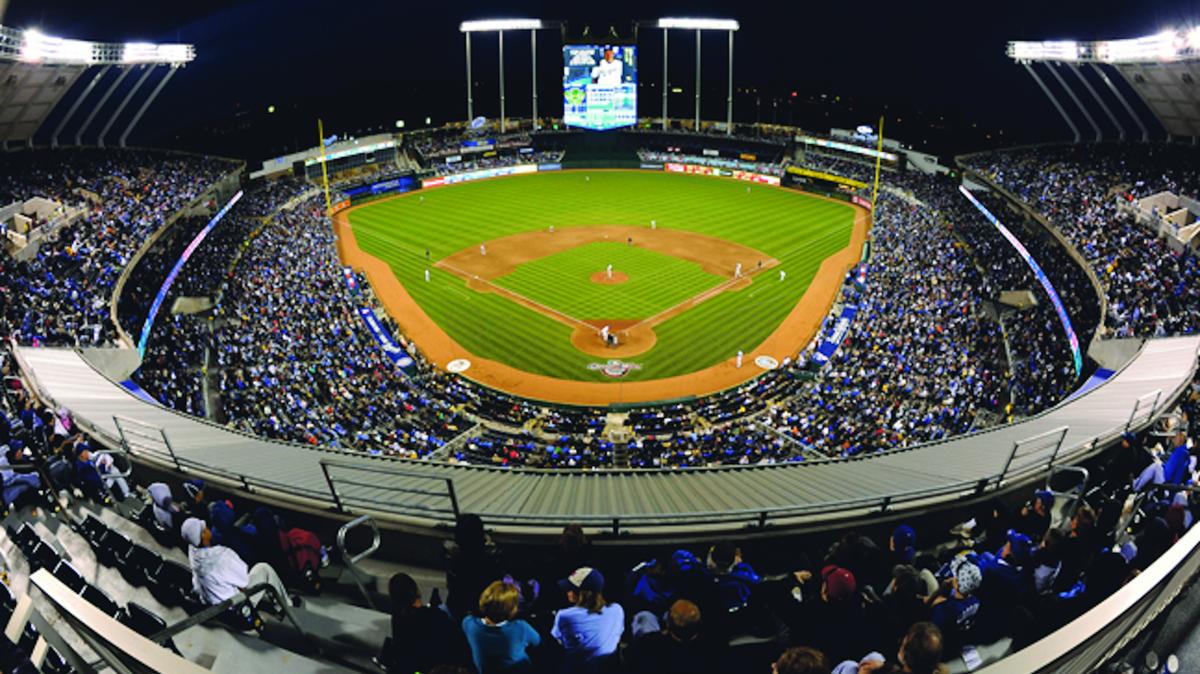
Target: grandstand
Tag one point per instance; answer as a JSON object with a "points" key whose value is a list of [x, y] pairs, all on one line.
{"points": [[378, 404]]}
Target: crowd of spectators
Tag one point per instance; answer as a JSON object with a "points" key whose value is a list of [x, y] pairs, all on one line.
{"points": [[1151, 289], [914, 600], [653, 156], [479, 162], [61, 295]]}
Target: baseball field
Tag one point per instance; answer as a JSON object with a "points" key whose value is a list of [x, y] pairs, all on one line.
{"points": [[532, 272]]}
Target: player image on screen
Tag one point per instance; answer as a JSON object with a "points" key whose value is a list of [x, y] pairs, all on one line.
{"points": [[599, 86]]}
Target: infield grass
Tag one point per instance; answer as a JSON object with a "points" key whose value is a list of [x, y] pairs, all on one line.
{"points": [[797, 229], [563, 281]]}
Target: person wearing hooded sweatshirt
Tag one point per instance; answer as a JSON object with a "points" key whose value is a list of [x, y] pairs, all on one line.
{"points": [[165, 511], [218, 573], [20, 489], [116, 485], [226, 531]]}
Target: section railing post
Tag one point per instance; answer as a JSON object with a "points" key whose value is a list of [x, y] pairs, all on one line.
{"points": [[337, 500], [453, 496], [170, 449], [1058, 446], [121, 433], [1011, 455]]}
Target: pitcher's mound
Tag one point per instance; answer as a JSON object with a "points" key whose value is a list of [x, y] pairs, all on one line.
{"points": [[603, 278], [633, 337]]}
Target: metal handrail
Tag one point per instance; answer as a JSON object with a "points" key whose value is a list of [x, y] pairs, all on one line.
{"points": [[353, 560]]}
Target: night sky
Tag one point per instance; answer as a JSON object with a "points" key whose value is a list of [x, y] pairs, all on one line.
{"points": [[936, 69]]}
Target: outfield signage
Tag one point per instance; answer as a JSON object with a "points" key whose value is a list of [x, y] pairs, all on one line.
{"points": [[467, 176], [403, 184], [697, 169], [391, 349], [841, 328], [828, 177], [549, 167], [860, 201]]}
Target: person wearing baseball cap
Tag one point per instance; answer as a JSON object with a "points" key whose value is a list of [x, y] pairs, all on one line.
{"points": [[956, 606], [590, 629]]}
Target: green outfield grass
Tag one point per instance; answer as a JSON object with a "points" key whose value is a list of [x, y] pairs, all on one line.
{"points": [[563, 282], [798, 230]]}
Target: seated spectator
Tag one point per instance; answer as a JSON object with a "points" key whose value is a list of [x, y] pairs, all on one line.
{"points": [[196, 504], [1180, 463], [590, 629], [734, 577], [114, 483], [296, 553], [903, 544], [422, 637], [499, 642], [87, 477], [1034, 519], [166, 512], [19, 489], [226, 532], [218, 573], [902, 604], [920, 653], [955, 607], [472, 562], [801, 660], [832, 621], [678, 647]]}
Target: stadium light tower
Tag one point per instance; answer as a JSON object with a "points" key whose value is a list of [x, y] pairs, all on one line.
{"points": [[698, 25], [499, 26], [33, 55]]}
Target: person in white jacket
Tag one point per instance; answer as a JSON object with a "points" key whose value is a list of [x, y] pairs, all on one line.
{"points": [[218, 573]]}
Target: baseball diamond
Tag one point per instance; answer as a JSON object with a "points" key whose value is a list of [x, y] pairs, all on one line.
{"points": [[533, 290]]}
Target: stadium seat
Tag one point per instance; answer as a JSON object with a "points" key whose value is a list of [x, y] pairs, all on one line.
{"points": [[93, 531], [172, 586], [143, 621], [114, 548], [44, 557], [69, 576], [98, 598], [55, 663], [140, 566]]}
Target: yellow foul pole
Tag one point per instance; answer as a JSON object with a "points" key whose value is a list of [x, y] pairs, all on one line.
{"points": [[325, 171], [878, 159]]}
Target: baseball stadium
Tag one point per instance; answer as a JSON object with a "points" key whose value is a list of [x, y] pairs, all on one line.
{"points": [[618, 355]]}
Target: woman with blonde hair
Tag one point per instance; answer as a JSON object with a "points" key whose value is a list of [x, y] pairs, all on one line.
{"points": [[499, 641]]}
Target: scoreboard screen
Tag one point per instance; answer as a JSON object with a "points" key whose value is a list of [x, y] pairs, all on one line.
{"points": [[599, 86]]}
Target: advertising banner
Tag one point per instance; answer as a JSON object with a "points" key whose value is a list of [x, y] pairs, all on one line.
{"points": [[841, 328], [390, 348]]}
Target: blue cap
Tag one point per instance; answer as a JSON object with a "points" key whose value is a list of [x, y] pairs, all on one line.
{"points": [[583, 578], [1045, 496], [1020, 546]]}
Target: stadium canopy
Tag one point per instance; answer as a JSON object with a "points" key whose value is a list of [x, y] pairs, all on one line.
{"points": [[1161, 69], [41, 73]]}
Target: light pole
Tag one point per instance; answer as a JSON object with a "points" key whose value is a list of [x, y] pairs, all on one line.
{"points": [[499, 26], [699, 25]]}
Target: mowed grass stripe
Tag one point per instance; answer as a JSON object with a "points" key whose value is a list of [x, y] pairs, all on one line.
{"points": [[563, 281], [799, 230]]}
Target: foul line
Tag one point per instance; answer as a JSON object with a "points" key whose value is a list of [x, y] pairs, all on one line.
{"points": [[517, 297], [699, 298]]}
